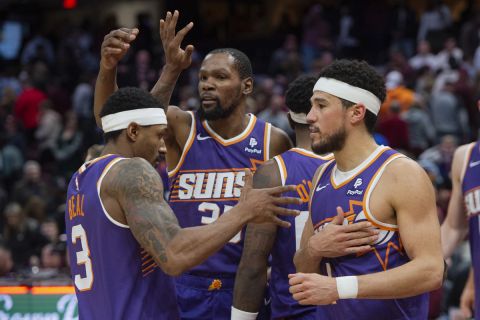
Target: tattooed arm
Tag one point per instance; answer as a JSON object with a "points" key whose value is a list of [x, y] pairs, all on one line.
{"points": [[251, 278], [137, 188]]}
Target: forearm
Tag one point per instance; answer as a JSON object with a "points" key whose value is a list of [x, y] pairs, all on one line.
{"points": [[411, 279], [104, 87], [451, 237], [250, 284], [191, 246], [165, 85], [305, 262]]}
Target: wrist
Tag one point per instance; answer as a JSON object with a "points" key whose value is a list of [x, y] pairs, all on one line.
{"points": [[172, 69], [105, 68], [242, 315], [347, 287]]}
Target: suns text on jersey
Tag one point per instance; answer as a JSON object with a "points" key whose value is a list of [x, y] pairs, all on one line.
{"points": [[212, 184]]}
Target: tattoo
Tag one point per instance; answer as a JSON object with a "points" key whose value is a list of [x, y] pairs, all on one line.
{"points": [[139, 190]]}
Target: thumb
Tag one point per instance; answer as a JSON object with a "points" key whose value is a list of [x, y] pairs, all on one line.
{"points": [[339, 217], [248, 179]]}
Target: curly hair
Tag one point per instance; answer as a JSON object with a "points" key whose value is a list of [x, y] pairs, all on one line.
{"points": [[124, 99], [298, 94], [359, 74], [241, 61]]}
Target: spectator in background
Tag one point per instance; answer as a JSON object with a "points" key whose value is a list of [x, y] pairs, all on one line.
{"points": [[67, 150], [448, 115], [441, 155], [450, 51], [24, 240], [347, 41], [39, 47], [31, 184], [394, 128], [403, 27], [421, 131], [286, 60], [435, 22], [49, 126], [276, 114], [424, 57], [11, 162], [6, 261], [396, 91], [316, 35]]}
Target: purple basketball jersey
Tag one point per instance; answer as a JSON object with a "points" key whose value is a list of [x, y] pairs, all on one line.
{"points": [[353, 195], [297, 167], [208, 180], [114, 277], [471, 197]]}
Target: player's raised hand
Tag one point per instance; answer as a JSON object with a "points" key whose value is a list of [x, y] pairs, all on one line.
{"points": [[263, 205], [312, 288], [175, 56], [337, 239], [115, 45]]}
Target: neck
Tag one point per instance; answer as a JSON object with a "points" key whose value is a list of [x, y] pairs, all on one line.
{"points": [[118, 147], [358, 146], [232, 125], [302, 135]]}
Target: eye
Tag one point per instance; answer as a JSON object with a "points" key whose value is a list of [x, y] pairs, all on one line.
{"points": [[221, 76], [203, 77]]}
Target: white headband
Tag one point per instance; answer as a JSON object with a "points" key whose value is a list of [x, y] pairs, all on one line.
{"points": [[298, 117], [348, 92], [144, 117]]}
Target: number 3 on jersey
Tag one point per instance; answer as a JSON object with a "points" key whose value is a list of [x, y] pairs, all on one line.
{"points": [[83, 258], [215, 210]]}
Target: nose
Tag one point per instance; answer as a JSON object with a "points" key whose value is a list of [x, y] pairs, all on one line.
{"points": [[311, 116], [206, 84]]}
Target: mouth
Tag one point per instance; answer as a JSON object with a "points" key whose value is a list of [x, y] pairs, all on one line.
{"points": [[313, 129], [208, 100]]}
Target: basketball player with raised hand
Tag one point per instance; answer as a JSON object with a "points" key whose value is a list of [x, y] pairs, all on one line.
{"points": [[123, 238], [365, 183], [207, 152], [463, 218]]}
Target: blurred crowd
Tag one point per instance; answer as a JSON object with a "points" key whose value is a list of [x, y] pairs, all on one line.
{"points": [[430, 61]]}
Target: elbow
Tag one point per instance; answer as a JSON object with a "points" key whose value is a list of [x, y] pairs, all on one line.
{"points": [[174, 269], [435, 272]]}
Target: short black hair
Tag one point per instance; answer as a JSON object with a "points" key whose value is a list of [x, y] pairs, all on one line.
{"points": [[124, 99], [241, 61], [299, 92], [359, 74]]}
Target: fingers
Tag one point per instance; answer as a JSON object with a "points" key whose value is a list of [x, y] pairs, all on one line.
{"points": [[339, 217], [188, 52], [281, 223], [285, 212], [295, 278], [361, 241], [171, 22], [280, 189], [286, 200], [248, 179], [360, 226], [358, 250], [182, 33]]}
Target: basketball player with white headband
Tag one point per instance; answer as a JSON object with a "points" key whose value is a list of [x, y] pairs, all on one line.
{"points": [[364, 184], [123, 238]]}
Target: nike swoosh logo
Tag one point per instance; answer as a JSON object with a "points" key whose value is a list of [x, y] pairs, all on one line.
{"points": [[474, 164], [199, 137], [321, 187]]}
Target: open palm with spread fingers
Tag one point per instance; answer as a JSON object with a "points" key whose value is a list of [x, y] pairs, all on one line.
{"points": [[171, 41], [115, 45], [263, 205]]}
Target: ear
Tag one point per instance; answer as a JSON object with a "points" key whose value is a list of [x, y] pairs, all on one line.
{"points": [[247, 86], [358, 112], [133, 131]]}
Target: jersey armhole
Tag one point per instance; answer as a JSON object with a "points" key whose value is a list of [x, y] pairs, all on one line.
{"points": [[266, 142], [99, 185], [282, 169], [368, 193], [186, 148], [468, 154]]}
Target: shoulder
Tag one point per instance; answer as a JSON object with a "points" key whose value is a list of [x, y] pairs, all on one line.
{"points": [[279, 141], [267, 175], [130, 174], [177, 115], [404, 168], [459, 159]]}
